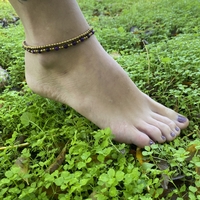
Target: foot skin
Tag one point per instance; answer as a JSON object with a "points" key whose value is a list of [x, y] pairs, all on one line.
{"points": [[86, 78]]}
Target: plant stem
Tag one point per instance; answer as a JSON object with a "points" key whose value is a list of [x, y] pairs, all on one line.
{"points": [[15, 146]]}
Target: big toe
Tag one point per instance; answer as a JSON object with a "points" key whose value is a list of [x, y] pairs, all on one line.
{"points": [[180, 121]]}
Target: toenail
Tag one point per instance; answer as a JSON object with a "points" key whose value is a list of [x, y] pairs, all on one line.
{"points": [[151, 142], [177, 129], [163, 137], [182, 119], [173, 134]]}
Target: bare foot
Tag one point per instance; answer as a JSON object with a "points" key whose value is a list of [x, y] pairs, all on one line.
{"points": [[86, 78]]}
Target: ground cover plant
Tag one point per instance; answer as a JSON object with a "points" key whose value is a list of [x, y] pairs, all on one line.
{"points": [[48, 151]]}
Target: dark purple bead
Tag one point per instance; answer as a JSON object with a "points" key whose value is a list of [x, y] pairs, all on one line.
{"points": [[56, 48], [65, 46], [82, 39], [47, 49], [39, 51], [74, 43]]}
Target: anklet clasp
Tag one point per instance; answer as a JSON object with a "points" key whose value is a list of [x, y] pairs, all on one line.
{"points": [[60, 45]]}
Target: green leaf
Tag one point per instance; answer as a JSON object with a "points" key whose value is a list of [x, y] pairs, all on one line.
{"points": [[147, 166], [9, 174], [104, 178], [101, 158], [77, 174], [128, 179], [26, 118], [59, 181], [111, 173], [192, 196], [85, 155], [166, 60], [183, 188], [113, 192], [83, 181], [5, 181], [3, 191], [193, 189], [14, 190], [81, 165], [197, 164], [119, 175], [31, 190]]}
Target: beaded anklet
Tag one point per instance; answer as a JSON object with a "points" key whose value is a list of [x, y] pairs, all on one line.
{"points": [[60, 45]]}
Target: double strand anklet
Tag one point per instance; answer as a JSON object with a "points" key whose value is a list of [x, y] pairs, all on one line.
{"points": [[60, 45]]}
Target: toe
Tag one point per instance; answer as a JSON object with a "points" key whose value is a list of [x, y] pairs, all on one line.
{"points": [[180, 121], [140, 139], [168, 127], [153, 132], [132, 135], [160, 129]]}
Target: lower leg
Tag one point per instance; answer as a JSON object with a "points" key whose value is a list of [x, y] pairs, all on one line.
{"points": [[87, 78]]}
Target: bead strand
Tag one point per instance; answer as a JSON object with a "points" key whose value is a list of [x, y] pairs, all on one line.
{"points": [[60, 45]]}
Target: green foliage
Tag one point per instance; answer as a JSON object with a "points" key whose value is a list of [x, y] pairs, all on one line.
{"points": [[7, 12], [12, 54], [93, 167], [143, 20]]}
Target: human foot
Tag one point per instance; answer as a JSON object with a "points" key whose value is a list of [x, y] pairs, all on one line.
{"points": [[86, 78]]}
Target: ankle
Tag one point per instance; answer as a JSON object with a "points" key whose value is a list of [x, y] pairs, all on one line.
{"points": [[66, 59]]}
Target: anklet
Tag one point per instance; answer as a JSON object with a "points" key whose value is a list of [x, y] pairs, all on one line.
{"points": [[60, 45]]}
